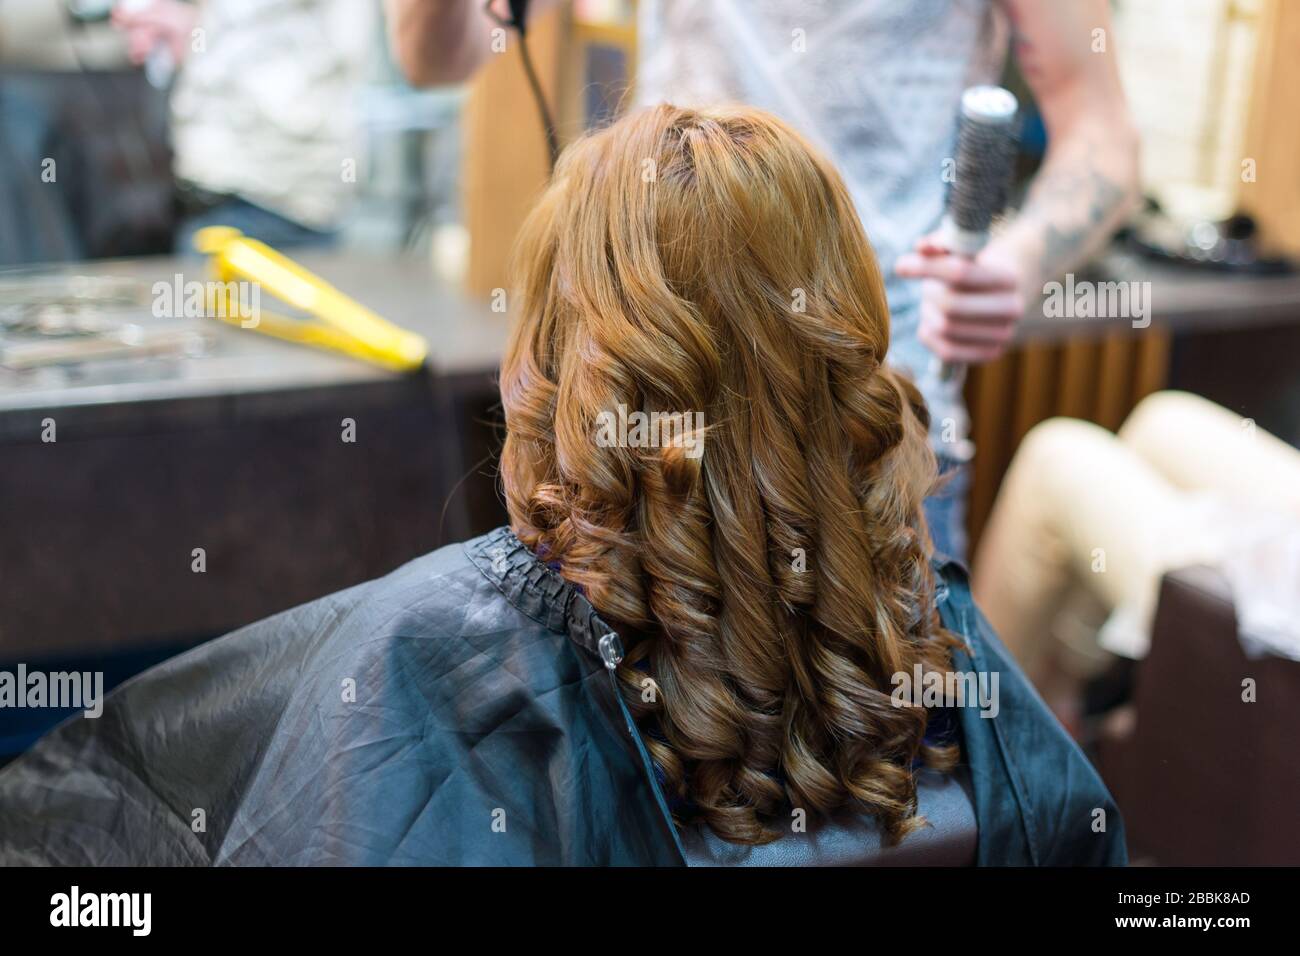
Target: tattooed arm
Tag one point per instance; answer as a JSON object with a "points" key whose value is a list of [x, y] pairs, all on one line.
{"points": [[444, 41], [1087, 185], [1088, 182]]}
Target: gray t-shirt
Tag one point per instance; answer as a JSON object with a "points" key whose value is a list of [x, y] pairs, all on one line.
{"points": [[876, 84]]}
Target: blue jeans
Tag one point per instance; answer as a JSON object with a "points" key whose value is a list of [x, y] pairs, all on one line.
{"points": [[945, 510]]}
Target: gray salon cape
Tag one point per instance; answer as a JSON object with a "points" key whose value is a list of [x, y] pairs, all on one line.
{"points": [[457, 711]]}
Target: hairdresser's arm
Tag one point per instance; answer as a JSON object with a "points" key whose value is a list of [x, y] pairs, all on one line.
{"points": [[1087, 185], [437, 42]]}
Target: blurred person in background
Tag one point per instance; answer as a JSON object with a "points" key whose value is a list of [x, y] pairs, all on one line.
{"points": [[85, 170], [877, 86], [263, 128], [1087, 522]]}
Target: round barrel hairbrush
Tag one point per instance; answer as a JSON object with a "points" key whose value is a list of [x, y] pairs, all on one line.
{"points": [[987, 138]]}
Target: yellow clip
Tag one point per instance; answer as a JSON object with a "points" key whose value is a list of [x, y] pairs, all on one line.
{"points": [[345, 325]]}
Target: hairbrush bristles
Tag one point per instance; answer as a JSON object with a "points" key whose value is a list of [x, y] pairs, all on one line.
{"points": [[986, 149]]}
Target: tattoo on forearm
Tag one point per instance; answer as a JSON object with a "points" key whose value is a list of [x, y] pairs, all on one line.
{"points": [[1074, 208]]}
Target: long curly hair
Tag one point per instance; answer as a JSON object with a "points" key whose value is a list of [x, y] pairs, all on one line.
{"points": [[708, 264]]}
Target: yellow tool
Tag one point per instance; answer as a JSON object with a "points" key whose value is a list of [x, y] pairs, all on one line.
{"points": [[345, 325]]}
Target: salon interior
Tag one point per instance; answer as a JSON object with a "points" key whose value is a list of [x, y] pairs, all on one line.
{"points": [[173, 469]]}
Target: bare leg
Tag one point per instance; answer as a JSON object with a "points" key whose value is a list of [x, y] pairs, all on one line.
{"points": [[1076, 506], [1199, 446]]}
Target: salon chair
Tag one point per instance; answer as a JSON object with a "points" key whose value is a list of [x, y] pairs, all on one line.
{"points": [[1202, 777], [853, 840]]}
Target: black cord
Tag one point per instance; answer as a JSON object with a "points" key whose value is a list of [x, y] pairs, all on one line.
{"points": [[552, 141], [539, 98]]}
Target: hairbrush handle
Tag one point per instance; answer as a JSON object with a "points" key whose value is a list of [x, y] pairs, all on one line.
{"points": [[967, 245]]}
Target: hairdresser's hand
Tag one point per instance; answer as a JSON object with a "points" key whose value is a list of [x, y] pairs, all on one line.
{"points": [[969, 307], [169, 22]]}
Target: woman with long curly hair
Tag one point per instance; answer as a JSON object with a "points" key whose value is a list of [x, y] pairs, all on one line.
{"points": [[715, 609], [711, 265]]}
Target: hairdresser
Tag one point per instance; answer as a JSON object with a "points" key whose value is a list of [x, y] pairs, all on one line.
{"points": [[876, 85], [262, 119]]}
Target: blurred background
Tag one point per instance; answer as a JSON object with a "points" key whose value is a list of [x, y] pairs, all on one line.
{"points": [[166, 477]]}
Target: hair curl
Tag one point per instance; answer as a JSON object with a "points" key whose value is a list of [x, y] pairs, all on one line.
{"points": [[711, 261]]}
